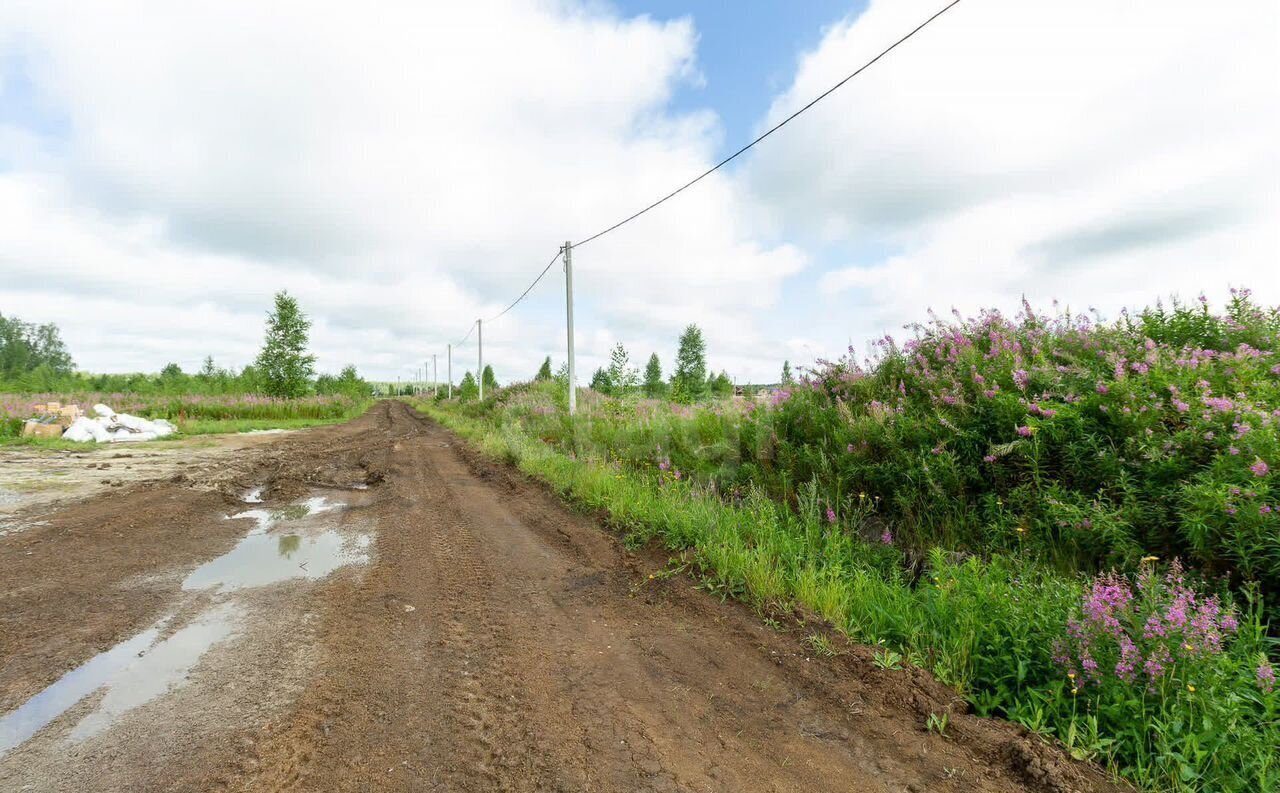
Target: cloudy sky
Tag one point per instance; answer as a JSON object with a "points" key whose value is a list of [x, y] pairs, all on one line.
{"points": [[404, 168]]}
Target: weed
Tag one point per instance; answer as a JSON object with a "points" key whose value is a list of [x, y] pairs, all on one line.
{"points": [[822, 645], [887, 659], [937, 722]]}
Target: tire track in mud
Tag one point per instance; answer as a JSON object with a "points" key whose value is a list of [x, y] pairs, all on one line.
{"points": [[538, 657]]}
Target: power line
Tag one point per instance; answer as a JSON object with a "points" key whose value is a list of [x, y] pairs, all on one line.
{"points": [[470, 330], [771, 130], [554, 259]]}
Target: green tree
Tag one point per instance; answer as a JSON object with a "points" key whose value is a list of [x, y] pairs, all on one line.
{"points": [[284, 367], [544, 371], [490, 382], [622, 376], [653, 385], [600, 381], [25, 347], [208, 371], [689, 382], [787, 377], [468, 390], [720, 385]]}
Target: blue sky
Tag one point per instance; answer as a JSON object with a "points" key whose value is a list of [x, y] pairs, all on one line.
{"points": [[747, 53]]}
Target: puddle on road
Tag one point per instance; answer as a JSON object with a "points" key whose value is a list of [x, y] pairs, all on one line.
{"points": [[265, 557], [254, 496], [9, 497], [134, 672], [285, 543]]}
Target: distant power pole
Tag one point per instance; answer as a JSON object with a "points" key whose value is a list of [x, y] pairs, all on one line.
{"points": [[435, 376], [568, 306], [448, 368], [480, 347]]}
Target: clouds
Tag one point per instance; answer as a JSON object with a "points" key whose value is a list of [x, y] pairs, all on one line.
{"points": [[1103, 156], [164, 170], [401, 172]]}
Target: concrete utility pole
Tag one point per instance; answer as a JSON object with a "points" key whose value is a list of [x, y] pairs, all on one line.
{"points": [[448, 368], [568, 305], [480, 348]]}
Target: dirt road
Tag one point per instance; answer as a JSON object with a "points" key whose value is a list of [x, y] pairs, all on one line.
{"points": [[400, 615]]}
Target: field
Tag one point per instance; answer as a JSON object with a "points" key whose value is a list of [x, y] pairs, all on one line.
{"points": [[193, 414], [1073, 523]]}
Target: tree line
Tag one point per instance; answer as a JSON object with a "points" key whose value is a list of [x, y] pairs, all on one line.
{"points": [[689, 382], [34, 359]]}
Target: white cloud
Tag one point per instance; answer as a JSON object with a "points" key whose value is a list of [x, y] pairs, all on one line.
{"points": [[401, 172], [1103, 156]]}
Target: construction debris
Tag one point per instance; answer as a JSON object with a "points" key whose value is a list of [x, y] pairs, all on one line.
{"points": [[54, 420]]}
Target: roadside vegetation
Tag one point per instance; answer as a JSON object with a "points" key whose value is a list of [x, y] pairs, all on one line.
{"points": [[279, 390], [1075, 523]]}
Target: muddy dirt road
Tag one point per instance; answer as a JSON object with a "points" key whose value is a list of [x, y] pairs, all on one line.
{"points": [[400, 615]]}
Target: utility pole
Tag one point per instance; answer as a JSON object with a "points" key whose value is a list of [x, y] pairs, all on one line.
{"points": [[435, 376], [568, 305], [448, 368], [480, 348]]}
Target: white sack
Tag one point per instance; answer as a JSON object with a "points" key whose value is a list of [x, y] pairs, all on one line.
{"points": [[103, 411], [83, 430]]}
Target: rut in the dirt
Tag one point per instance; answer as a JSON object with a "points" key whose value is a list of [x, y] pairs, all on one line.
{"points": [[494, 641]]}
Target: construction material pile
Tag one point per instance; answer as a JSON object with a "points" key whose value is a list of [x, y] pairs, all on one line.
{"points": [[56, 420]]}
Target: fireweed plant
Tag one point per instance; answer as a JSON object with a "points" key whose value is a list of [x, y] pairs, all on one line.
{"points": [[1004, 501]]}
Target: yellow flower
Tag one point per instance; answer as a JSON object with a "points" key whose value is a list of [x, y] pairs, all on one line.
{"points": [[1074, 691], [1191, 688], [1151, 558], [1020, 530], [1071, 675]]}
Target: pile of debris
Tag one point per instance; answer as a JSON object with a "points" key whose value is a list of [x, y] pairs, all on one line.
{"points": [[51, 420], [55, 420]]}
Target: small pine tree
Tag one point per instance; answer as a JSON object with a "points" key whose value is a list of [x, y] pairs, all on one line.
{"points": [[721, 386], [490, 382], [544, 372], [787, 378], [653, 385], [689, 383], [468, 390], [283, 366], [600, 381], [208, 371]]}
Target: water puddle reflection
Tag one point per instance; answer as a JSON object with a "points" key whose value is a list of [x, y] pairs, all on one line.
{"points": [[265, 556], [133, 673], [284, 543]]}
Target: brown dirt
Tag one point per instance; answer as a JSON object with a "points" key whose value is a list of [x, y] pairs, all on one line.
{"points": [[495, 641]]}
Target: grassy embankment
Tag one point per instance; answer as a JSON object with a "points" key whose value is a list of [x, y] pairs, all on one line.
{"points": [[1069, 522]]}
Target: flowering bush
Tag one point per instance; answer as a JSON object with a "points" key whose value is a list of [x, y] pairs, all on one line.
{"points": [[1089, 444], [1165, 666]]}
